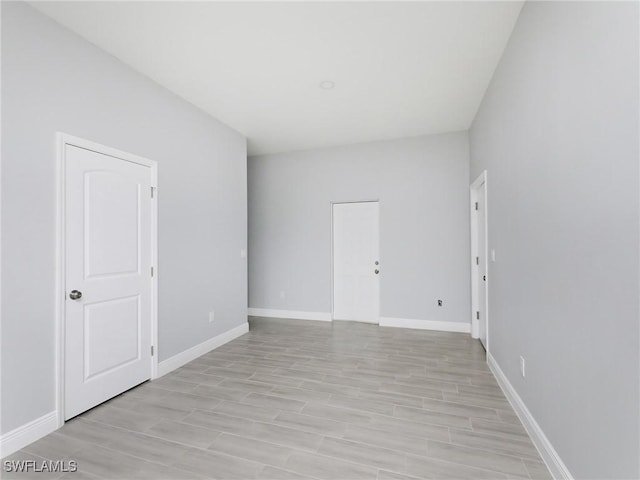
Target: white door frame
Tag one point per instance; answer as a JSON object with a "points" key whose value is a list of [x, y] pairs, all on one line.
{"points": [[474, 193], [63, 140], [331, 204]]}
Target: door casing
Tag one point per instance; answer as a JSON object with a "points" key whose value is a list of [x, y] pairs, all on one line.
{"points": [[63, 140], [477, 188]]}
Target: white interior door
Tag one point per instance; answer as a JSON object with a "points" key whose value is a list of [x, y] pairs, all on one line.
{"points": [[107, 277], [481, 270], [356, 268]]}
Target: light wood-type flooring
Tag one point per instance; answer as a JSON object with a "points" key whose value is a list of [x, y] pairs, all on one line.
{"points": [[301, 399]]}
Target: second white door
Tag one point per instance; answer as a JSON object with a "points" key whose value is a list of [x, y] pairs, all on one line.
{"points": [[108, 277], [482, 266], [356, 266]]}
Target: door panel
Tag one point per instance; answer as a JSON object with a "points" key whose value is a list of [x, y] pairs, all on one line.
{"points": [[112, 335], [356, 287], [112, 215], [108, 260]]}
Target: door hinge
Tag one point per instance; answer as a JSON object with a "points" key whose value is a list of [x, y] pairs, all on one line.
{"points": [[477, 260], [153, 191], [478, 315], [152, 271], [152, 350], [476, 205]]}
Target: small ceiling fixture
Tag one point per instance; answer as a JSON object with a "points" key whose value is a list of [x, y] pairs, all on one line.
{"points": [[327, 85]]}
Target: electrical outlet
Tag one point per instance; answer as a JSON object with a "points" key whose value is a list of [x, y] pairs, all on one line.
{"points": [[522, 371], [212, 316], [282, 294]]}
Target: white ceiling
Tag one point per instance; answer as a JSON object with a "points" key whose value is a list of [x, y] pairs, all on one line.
{"points": [[400, 68]]}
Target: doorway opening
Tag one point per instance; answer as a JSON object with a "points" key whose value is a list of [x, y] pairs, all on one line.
{"points": [[106, 274], [479, 261], [356, 261]]}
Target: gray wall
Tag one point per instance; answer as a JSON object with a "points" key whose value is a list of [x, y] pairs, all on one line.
{"points": [[54, 81], [558, 134], [422, 186]]}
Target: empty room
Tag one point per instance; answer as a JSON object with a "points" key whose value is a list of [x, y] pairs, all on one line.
{"points": [[320, 240]]}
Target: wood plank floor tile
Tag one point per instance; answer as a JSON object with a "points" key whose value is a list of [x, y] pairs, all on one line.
{"points": [[307, 400]]}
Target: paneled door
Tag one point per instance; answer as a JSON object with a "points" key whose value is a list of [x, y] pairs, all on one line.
{"points": [[479, 260], [481, 270], [356, 266], [108, 277]]}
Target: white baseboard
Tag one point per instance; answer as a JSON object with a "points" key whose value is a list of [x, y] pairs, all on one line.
{"points": [[192, 353], [28, 433], [384, 321], [556, 466], [293, 314], [425, 324]]}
